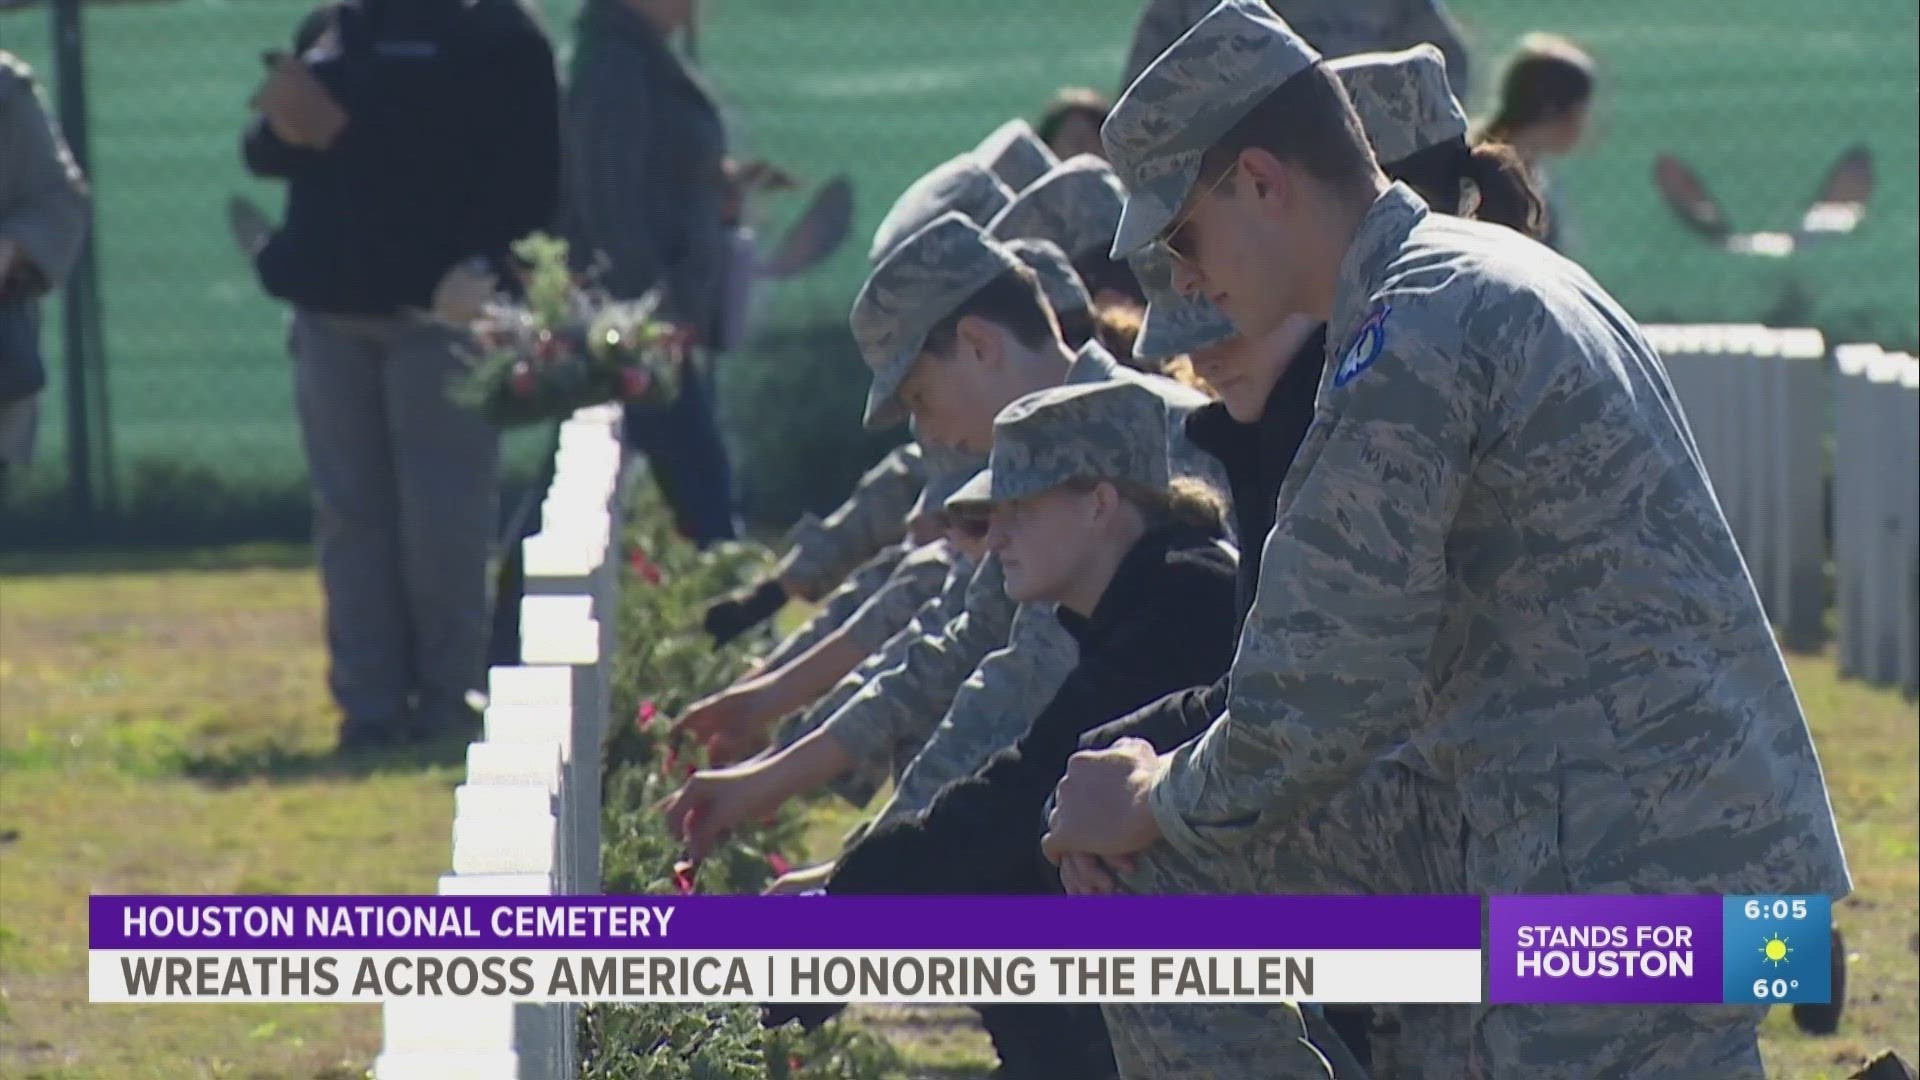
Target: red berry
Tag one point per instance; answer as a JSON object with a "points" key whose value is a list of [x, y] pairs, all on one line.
{"points": [[779, 863]]}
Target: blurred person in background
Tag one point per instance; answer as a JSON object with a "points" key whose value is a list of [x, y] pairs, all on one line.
{"points": [[43, 226], [1070, 126], [1546, 91], [416, 137], [647, 201]]}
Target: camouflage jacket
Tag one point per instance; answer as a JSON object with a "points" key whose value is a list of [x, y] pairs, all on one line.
{"points": [[820, 553], [1497, 560]]}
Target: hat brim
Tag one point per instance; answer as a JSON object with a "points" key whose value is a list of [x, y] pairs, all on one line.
{"points": [[1163, 338], [1151, 208], [974, 495], [884, 407]]}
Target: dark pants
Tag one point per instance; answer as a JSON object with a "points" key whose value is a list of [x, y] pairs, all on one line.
{"points": [[1040, 1042], [688, 459]]}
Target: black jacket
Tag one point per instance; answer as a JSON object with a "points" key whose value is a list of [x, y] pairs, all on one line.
{"points": [[451, 152], [1165, 621], [1256, 457]]}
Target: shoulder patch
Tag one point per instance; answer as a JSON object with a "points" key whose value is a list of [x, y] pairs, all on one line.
{"points": [[1365, 348]]}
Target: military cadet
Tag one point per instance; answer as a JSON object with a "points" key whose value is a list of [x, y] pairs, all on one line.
{"points": [[1087, 517], [955, 328], [1445, 587], [1334, 27], [1015, 154], [733, 722], [820, 554]]}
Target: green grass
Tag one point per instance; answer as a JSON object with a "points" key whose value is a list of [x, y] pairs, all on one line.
{"points": [[167, 731], [1759, 99]]}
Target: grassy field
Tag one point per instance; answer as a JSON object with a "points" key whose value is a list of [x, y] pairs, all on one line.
{"points": [[163, 728], [1759, 99]]}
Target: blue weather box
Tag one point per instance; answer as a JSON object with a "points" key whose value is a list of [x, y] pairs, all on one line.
{"points": [[1776, 950]]}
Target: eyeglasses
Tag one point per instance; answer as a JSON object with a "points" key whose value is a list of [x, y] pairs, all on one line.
{"points": [[1169, 243]]}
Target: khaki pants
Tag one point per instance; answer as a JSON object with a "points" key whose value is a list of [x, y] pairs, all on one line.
{"points": [[405, 498]]}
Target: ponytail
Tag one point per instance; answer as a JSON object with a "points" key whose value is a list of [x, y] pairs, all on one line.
{"points": [[1505, 187], [1507, 194], [1196, 503]]}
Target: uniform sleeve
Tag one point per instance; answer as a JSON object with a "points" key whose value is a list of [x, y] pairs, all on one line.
{"points": [[994, 707], [1425, 21], [1351, 592], [893, 715], [46, 213], [839, 606], [610, 137], [821, 553], [916, 580]]}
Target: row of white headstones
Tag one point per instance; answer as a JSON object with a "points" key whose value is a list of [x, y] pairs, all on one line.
{"points": [[1778, 420], [527, 820], [1795, 438]]}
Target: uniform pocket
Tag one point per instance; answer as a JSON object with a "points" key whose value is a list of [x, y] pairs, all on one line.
{"points": [[1511, 836]]}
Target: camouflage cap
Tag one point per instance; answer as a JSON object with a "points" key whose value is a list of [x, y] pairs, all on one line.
{"points": [[962, 185], [1173, 325], [1015, 154], [1065, 292], [1403, 100], [948, 469], [1077, 206], [919, 283], [1230, 60], [1109, 430]]}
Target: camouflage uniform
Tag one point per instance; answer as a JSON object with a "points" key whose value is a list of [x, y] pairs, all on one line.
{"points": [[820, 554], [1015, 154], [993, 708], [1334, 27], [1521, 591], [859, 786], [840, 604]]}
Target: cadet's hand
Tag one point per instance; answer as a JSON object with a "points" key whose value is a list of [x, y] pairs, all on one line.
{"points": [[713, 801], [730, 725], [1100, 805], [735, 614], [799, 881], [1087, 875]]}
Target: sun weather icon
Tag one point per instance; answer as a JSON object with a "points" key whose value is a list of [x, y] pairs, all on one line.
{"points": [[1775, 949]]}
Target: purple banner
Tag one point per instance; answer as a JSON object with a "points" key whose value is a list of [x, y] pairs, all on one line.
{"points": [[1604, 950], [511, 924]]}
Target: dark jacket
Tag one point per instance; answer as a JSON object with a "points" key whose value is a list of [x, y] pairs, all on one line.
{"points": [[1165, 621], [644, 180], [1256, 457], [451, 152]]}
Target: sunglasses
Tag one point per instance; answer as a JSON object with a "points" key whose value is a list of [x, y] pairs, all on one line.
{"points": [[971, 526], [1170, 243]]}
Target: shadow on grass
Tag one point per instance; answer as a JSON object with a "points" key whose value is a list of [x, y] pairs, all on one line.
{"points": [[277, 763], [155, 559]]}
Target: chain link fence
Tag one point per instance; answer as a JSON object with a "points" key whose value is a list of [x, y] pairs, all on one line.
{"points": [[1758, 97]]}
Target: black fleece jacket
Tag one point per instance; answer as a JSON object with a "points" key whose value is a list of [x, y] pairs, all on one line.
{"points": [[1256, 457], [451, 152], [1165, 621]]}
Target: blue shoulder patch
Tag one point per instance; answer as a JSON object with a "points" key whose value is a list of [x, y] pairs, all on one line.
{"points": [[1365, 348]]}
